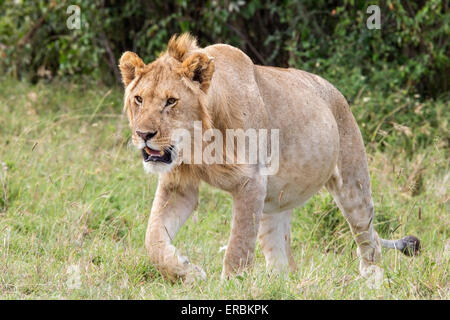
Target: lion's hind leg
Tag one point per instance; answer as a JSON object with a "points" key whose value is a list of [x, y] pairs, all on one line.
{"points": [[275, 239], [350, 188]]}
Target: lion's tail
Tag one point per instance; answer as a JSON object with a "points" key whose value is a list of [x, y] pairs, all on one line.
{"points": [[409, 245]]}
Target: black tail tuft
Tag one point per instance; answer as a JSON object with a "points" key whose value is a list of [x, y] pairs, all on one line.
{"points": [[412, 246]]}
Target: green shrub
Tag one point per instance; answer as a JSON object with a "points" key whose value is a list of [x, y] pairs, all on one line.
{"points": [[387, 75], [326, 37]]}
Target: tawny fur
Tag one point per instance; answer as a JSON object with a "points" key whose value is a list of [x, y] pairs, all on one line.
{"points": [[320, 145]]}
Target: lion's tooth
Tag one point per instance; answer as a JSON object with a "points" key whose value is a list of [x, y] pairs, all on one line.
{"points": [[161, 153], [147, 149]]}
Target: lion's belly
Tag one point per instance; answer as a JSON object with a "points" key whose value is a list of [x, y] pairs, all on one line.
{"points": [[308, 156], [282, 195]]}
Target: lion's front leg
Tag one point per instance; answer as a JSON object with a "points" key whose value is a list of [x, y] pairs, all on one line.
{"points": [[172, 206], [248, 203]]}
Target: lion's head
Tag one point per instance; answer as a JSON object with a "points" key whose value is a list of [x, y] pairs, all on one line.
{"points": [[166, 95]]}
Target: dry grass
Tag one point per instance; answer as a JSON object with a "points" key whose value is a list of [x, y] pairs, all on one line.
{"points": [[74, 203]]}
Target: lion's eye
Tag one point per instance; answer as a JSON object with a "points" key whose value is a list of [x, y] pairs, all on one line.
{"points": [[170, 101], [138, 99]]}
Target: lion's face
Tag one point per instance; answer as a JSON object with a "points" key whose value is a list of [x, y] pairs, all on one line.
{"points": [[161, 98]]}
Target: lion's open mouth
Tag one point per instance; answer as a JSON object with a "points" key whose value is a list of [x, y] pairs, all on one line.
{"points": [[150, 154]]}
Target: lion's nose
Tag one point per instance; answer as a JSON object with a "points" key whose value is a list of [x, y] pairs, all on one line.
{"points": [[146, 135]]}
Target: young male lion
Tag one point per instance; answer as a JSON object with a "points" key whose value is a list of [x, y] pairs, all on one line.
{"points": [[319, 145]]}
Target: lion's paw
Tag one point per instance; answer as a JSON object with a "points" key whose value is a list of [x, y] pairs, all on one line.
{"points": [[194, 273], [373, 274]]}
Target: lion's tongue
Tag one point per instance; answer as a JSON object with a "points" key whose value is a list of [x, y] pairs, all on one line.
{"points": [[154, 153]]}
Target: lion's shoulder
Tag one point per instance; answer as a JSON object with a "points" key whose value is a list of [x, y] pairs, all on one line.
{"points": [[226, 55]]}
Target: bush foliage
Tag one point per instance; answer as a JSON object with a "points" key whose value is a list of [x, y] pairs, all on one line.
{"points": [[330, 38]]}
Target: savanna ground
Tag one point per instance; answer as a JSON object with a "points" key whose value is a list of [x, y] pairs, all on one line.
{"points": [[75, 203]]}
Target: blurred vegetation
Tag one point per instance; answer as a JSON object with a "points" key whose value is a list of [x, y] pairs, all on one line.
{"points": [[393, 70], [329, 38]]}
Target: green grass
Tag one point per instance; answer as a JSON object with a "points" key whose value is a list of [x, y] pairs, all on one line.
{"points": [[73, 196]]}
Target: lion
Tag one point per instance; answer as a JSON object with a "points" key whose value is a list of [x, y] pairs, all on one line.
{"points": [[220, 87]]}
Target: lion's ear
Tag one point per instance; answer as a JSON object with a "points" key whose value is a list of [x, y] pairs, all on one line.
{"points": [[129, 64], [200, 68]]}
